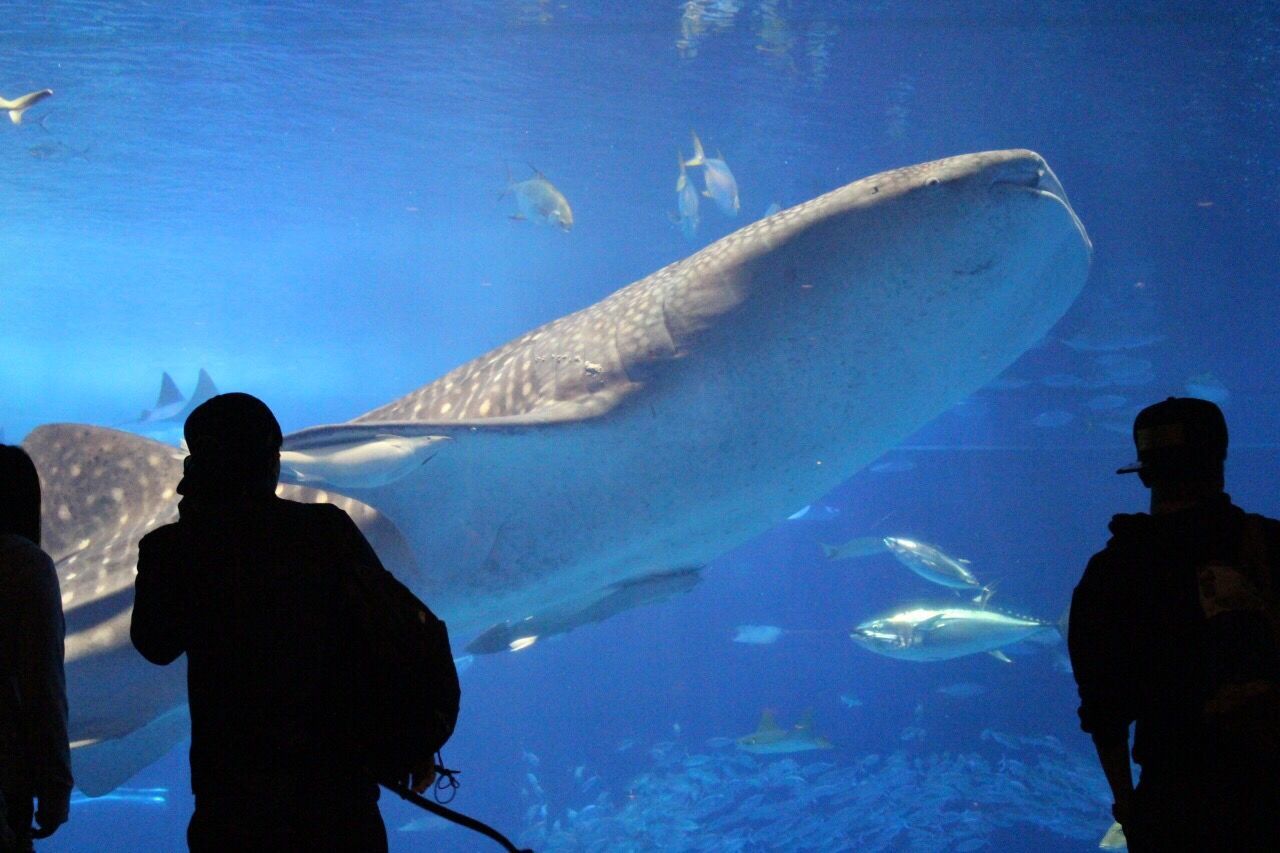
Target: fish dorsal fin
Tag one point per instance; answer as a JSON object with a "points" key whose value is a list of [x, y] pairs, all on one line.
{"points": [[934, 621], [699, 157], [169, 393], [805, 723], [768, 723], [537, 173]]}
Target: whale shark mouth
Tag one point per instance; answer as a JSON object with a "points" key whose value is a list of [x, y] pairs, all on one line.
{"points": [[1035, 176]]}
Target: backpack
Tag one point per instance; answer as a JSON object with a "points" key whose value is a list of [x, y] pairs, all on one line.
{"points": [[404, 676]]}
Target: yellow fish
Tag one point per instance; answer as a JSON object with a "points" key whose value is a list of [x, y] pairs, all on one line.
{"points": [[18, 106], [721, 187], [537, 199]]}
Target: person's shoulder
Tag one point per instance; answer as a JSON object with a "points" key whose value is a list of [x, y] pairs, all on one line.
{"points": [[22, 556], [1270, 526], [312, 513], [1128, 530], [162, 535]]}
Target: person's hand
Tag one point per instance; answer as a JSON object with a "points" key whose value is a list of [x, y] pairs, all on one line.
{"points": [[422, 778], [51, 813]]}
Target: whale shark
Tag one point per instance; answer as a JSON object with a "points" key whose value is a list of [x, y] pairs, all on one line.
{"points": [[648, 433]]}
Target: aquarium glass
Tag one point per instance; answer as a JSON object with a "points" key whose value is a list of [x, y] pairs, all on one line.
{"points": [[651, 527]]}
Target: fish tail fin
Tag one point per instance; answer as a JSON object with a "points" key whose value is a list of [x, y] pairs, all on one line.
{"points": [[699, 156], [18, 106]]}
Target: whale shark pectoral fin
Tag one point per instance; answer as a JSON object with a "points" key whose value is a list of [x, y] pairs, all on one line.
{"points": [[101, 766], [348, 468]]}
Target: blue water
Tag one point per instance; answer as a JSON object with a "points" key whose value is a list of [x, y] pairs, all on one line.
{"points": [[303, 198]]}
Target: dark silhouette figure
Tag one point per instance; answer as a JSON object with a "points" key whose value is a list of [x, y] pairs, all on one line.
{"points": [[35, 760], [247, 585], [1174, 629]]}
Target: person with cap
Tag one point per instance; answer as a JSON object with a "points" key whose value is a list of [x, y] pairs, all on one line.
{"points": [[1173, 629], [35, 758], [248, 586]]}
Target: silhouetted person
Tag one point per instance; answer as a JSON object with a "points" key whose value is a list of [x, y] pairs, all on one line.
{"points": [[247, 586], [35, 760], [1173, 629]]}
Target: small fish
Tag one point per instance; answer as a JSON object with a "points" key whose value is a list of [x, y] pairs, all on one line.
{"points": [[719, 742], [1052, 420], [624, 745], [530, 758], [892, 466], [1125, 369], [686, 201], [58, 151], [721, 186], [1111, 340], [538, 200], [862, 546], [814, 512], [1206, 386], [929, 562], [18, 106], [770, 739], [757, 635], [962, 690], [426, 823], [850, 701], [1061, 380]]}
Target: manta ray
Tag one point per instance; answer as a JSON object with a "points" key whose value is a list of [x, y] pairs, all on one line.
{"points": [[642, 435]]}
